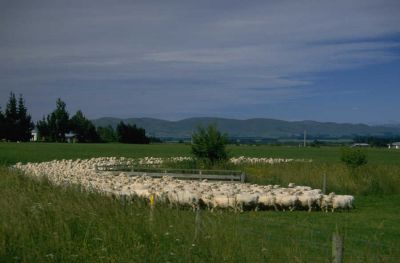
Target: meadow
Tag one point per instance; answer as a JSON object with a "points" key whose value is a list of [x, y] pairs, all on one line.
{"points": [[40, 222], [11, 153]]}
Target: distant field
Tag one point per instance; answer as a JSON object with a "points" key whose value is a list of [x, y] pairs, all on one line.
{"points": [[34, 152]]}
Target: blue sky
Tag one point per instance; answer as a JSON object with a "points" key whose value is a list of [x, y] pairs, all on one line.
{"points": [[293, 60]]}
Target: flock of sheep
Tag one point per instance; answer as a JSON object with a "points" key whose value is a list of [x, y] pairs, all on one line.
{"points": [[233, 160], [255, 160], [184, 193]]}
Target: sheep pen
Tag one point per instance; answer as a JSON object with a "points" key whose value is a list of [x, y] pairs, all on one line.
{"points": [[195, 195]]}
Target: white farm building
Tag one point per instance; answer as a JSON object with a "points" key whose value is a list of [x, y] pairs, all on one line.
{"points": [[394, 145]]}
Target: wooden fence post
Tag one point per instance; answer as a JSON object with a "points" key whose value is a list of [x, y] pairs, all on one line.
{"points": [[242, 177], [197, 223], [151, 215], [337, 248]]}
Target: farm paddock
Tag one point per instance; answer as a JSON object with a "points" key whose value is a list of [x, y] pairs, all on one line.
{"points": [[42, 222]]}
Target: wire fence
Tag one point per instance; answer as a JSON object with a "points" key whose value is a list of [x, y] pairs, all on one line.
{"points": [[131, 170], [301, 235], [278, 236]]}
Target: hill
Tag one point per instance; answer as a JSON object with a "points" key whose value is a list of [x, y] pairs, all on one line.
{"points": [[254, 128]]}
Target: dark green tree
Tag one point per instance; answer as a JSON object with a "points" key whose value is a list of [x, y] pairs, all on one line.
{"points": [[209, 145], [43, 130], [83, 128], [57, 123], [11, 118], [107, 134], [2, 126], [127, 133], [17, 123], [24, 122]]}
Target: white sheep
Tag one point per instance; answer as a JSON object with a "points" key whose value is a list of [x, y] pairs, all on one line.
{"points": [[224, 202], [245, 200], [212, 195], [286, 201], [267, 200], [308, 200], [342, 202]]}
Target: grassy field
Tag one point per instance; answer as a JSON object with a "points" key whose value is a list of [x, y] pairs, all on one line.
{"points": [[43, 223], [35, 152]]}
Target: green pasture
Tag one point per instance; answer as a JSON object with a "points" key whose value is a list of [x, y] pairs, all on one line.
{"points": [[40, 222], [38, 152], [35, 152]]}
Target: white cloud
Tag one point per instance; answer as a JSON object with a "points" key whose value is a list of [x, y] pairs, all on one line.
{"points": [[242, 52]]}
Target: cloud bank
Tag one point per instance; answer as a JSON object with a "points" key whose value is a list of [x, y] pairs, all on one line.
{"points": [[175, 59]]}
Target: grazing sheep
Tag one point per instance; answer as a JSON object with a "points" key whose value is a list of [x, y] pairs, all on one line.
{"points": [[286, 201], [183, 198], [246, 200], [342, 202], [267, 201], [223, 202], [308, 200], [183, 193], [326, 201]]}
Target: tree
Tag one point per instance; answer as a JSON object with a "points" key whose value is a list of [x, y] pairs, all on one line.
{"points": [[17, 122], [24, 122], [54, 127], [43, 129], [209, 144], [353, 158], [127, 133], [11, 117], [2, 126], [83, 128], [58, 122], [107, 134]]}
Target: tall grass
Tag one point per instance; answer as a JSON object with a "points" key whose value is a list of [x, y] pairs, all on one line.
{"points": [[370, 179], [40, 222]]}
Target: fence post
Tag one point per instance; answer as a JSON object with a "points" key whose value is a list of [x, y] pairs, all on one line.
{"points": [[197, 223], [337, 248], [242, 177], [152, 203], [324, 184]]}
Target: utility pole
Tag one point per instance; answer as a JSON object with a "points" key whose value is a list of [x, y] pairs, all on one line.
{"points": [[305, 138]]}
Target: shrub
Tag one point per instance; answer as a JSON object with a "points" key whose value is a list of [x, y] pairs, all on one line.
{"points": [[353, 158], [209, 145], [127, 133]]}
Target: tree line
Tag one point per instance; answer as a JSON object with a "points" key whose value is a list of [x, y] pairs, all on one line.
{"points": [[16, 125], [376, 141]]}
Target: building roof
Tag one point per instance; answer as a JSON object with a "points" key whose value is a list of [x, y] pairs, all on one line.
{"points": [[70, 135], [395, 143], [360, 145]]}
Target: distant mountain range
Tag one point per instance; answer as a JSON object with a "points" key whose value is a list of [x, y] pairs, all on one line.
{"points": [[254, 128]]}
